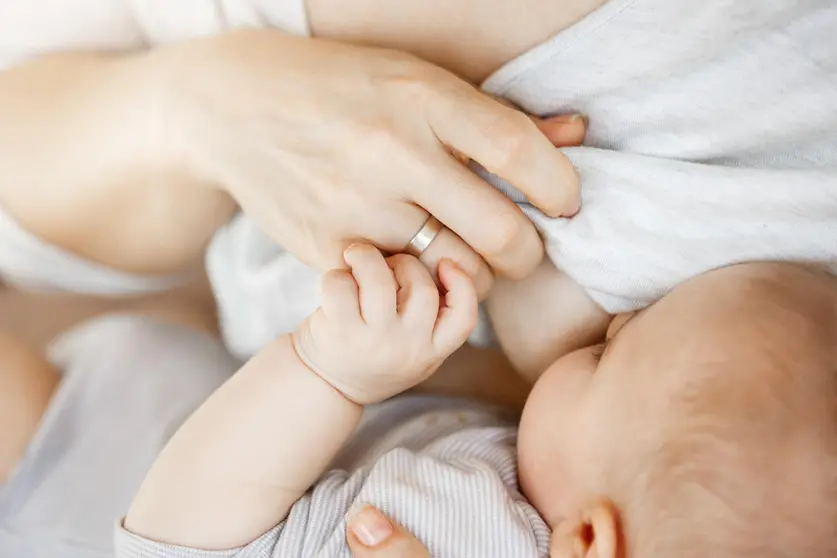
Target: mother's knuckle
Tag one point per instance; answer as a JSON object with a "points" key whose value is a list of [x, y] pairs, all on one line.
{"points": [[399, 262], [469, 262], [411, 84], [505, 232], [415, 90], [511, 142], [376, 135]]}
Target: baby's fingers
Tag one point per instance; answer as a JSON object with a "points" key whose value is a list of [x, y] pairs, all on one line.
{"points": [[458, 313], [375, 282], [340, 296], [418, 296]]}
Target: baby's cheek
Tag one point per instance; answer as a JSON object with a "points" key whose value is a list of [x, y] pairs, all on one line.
{"points": [[550, 437], [543, 478]]}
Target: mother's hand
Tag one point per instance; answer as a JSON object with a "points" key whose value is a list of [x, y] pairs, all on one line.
{"points": [[325, 144], [370, 534]]}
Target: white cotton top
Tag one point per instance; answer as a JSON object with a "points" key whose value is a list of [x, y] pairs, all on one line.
{"points": [[712, 141], [36, 27]]}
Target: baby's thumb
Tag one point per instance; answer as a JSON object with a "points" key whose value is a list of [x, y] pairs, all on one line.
{"points": [[371, 534], [458, 313]]}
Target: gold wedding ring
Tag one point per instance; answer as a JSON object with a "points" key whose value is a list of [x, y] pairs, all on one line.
{"points": [[427, 234]]}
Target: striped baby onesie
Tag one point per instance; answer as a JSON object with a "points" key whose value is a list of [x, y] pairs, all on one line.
{"points": [[445, 469]]}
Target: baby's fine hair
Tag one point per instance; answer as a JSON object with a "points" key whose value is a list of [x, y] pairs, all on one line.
{"points": [[743, 468]]}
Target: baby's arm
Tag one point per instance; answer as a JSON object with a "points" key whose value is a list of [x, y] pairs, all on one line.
{"points": [[543, 317], [240, 462], [237, 465]]}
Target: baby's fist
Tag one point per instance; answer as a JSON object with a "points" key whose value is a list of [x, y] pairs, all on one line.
{"points": [[383, 327]]}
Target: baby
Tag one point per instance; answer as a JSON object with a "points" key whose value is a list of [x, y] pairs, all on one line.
{"points": [[707, 426]]}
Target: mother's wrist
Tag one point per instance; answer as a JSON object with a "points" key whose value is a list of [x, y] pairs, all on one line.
{"points": [[173, 139], [205, 88]]}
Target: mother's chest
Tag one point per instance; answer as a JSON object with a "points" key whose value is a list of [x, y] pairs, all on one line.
{"points": [[470, 37]]}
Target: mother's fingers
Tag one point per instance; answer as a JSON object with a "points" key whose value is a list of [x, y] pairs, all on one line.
{"points": [[370, 534], [484, 218], [448, 246], [563, 130], [393, 229], [507, 143]]}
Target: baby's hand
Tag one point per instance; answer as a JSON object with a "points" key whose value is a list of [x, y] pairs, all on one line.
{"points": [[383, 327]]}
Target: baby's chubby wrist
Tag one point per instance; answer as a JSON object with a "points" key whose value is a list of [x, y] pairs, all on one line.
{"points": [[304, 366]]}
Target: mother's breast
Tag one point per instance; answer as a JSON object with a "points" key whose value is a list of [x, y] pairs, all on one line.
{"points": [[470, 37]]}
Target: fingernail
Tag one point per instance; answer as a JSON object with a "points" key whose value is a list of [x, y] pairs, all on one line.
{"points": [[370, 526], [449, 268], [349, 249], [570, 118]]}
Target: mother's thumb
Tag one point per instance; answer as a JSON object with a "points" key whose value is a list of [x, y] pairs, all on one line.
{"points": [[371, 534]]}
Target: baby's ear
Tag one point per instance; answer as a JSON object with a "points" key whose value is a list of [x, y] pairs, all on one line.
{"points": [[594, 532]]}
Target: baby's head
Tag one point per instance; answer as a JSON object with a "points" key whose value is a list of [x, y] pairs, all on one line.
{"points": [[706, 427]]}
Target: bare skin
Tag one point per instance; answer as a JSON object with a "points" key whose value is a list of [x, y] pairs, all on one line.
{"points": [[461, 36]]}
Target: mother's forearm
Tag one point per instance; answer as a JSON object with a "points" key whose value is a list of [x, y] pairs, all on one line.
{"points": [[89, 161]]}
